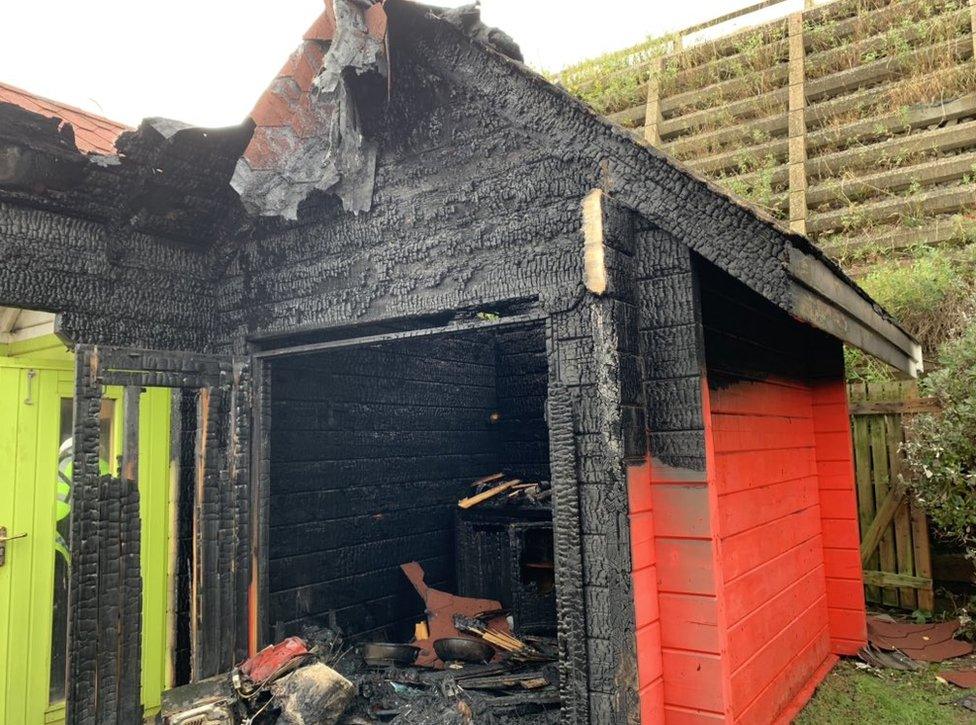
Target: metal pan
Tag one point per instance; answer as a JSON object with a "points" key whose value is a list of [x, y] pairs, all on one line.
{"points": [[462, 649], [387, 653]]}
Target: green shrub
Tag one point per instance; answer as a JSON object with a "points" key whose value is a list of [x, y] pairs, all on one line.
{"points": [[932, 297], [941, 448]]}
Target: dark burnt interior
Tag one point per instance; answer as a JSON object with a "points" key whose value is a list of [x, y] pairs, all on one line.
{"points": [[371, 449]]}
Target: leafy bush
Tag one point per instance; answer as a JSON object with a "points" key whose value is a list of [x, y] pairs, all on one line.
{"points": [[941, 448], [931, 297]]}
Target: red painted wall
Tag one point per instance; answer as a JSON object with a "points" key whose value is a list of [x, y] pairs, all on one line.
{"points": [[838, 510], [770, 542], [647, 613], [747, 577]]}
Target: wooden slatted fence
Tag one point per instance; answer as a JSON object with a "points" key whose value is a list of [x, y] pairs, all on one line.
{"points": [[895, 550]]}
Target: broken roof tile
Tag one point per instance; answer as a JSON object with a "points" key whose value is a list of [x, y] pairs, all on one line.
{"points": [[921, 642], [268, 145], [278, 104], [376, 21], [311, 114]]}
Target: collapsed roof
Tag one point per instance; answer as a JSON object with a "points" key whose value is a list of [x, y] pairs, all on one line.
{"points": [[306, 136]]}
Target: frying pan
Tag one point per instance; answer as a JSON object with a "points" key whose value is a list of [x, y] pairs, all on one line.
{"points": [[462, 649], [388, 653]]}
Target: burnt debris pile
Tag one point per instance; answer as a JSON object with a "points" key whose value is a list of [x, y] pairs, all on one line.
{"points": [[466, 664]]}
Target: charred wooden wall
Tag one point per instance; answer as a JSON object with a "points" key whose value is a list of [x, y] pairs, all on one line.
{"points": [[122, 288], [371, 448], [521, 384], [475, 212]]}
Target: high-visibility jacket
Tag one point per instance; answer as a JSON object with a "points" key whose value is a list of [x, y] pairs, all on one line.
{"points": [[63, 504]]}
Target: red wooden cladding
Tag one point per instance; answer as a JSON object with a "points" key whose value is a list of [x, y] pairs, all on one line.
{"points": [[747, 584], [838, 506], [647, 614], [766, 478]]}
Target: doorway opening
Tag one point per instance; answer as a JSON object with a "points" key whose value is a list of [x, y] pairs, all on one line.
{"points": [[372, 446]]}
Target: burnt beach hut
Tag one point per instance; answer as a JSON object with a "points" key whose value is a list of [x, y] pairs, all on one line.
{"points": [[417, 263]]}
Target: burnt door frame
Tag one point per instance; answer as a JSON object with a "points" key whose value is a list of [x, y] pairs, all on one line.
{"points": [[105, 590]]}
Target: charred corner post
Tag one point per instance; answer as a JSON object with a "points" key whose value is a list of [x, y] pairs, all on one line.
{"points": [[415, 264]]}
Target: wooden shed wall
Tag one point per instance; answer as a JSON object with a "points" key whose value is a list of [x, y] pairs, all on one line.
{"points": [[755, 563], [783, 483]]}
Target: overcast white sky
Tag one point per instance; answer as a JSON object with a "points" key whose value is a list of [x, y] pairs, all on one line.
{"points": [[206, 61]]}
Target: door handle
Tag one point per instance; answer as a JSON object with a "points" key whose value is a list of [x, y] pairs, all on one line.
{"points": [[3, 543]]}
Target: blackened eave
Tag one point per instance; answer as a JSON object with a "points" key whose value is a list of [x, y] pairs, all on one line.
{"points": [[738, 238]]}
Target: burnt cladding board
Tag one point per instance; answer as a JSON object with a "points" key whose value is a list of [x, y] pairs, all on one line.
{"points": [[748, 339], [671, 351], [521, 384], [371, 448], [112, 287]]}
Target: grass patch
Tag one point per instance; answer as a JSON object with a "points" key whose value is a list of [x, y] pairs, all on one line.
{"points": [[850, 695]]}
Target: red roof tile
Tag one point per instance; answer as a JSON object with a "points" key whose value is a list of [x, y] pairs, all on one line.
{"points": [[93, 133]]}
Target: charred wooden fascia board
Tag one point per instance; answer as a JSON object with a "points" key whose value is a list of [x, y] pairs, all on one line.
{"points": [[168, 179], [690, 208], [37, 152], [823, 300]]}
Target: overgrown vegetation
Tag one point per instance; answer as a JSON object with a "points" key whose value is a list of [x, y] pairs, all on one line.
{"points": [[941, 448], [879, 193], [932, 296], [614, 81], [851, 695]]}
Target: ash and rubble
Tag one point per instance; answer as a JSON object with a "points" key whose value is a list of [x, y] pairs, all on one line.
{"points": [[327, 682], [322, 677]]}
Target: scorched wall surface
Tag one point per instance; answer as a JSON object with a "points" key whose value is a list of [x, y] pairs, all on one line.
{"points": [[126, 288], [371, 448]]}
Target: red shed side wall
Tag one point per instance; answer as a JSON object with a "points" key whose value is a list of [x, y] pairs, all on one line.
{"points": [[757, 567], [770, 542], [787, 534]]}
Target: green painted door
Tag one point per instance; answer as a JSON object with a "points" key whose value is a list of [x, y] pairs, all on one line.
{"points": [[35, 420]]}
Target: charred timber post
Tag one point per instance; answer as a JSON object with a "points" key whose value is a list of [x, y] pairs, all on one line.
{"points": [[82, 683], [129, 661]]}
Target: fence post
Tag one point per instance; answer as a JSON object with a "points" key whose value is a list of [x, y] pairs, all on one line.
{"points": [[652, 113], [798, 126], [972, 25]]}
